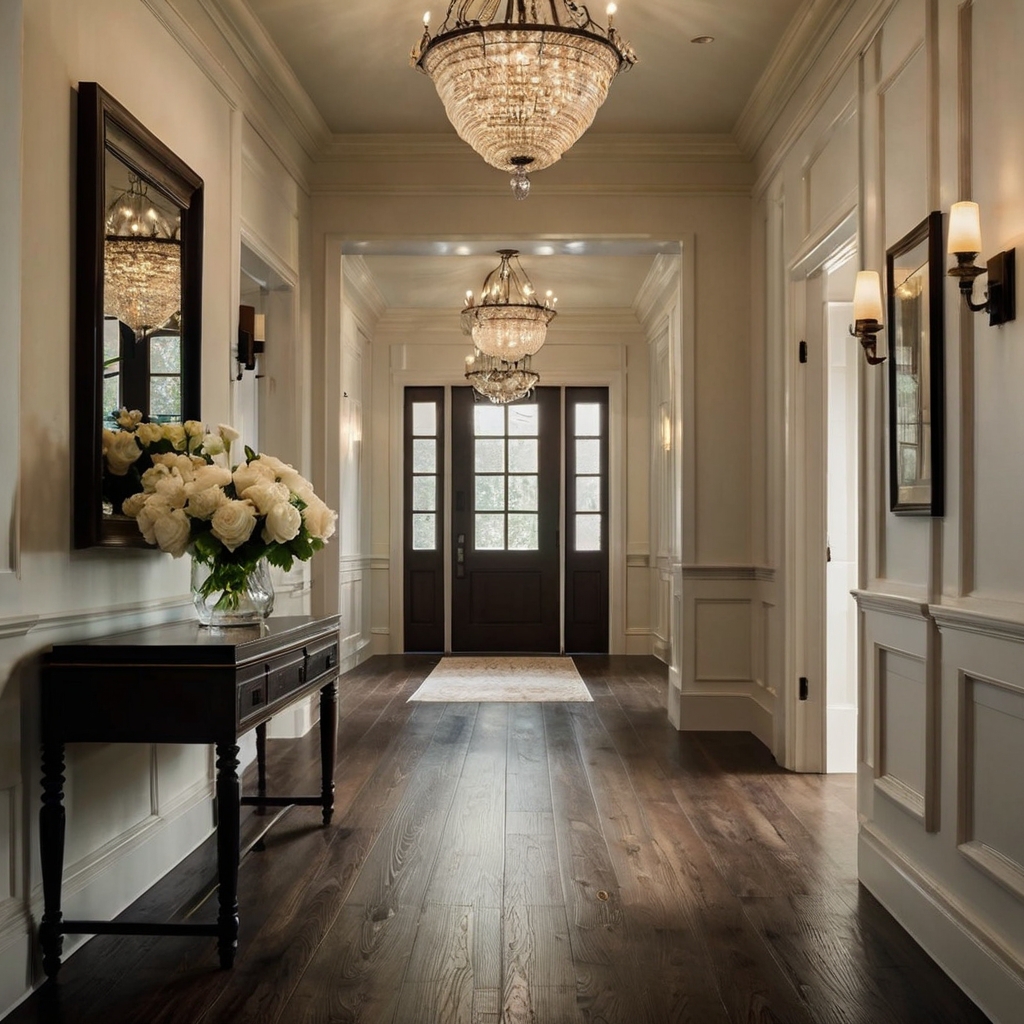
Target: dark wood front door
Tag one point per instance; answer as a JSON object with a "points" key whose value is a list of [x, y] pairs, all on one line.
{"points": [[505, 514]]}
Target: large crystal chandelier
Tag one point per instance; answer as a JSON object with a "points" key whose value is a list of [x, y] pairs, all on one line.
{"points": [[141, 262], [522, 90], [499, 380], [508, 321]]}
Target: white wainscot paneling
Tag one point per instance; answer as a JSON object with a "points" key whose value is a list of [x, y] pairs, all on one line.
{"points": [[904, 126], [8, 837], [722, 640], [991, 813], [901, 708], [830, 175], [181, 771], [351, 606]]}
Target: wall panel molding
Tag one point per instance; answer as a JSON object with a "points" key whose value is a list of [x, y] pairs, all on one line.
{"points": [[762, 573]]}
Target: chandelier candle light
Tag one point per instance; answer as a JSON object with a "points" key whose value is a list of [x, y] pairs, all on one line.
{"points": [[521, 91]]}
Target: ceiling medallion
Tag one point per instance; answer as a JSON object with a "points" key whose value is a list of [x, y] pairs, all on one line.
{"points": [[522, 90]]}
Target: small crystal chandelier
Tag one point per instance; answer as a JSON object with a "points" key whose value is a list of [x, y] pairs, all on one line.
{"points": [[141, 262], [522, 90], [499, 380], [508, 322]]}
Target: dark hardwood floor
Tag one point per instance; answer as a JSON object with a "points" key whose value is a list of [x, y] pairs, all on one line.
{"points": [[528, 864]]}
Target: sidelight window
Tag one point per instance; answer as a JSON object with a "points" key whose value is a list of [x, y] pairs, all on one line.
{"points": [[587, 440], [424, 476]]}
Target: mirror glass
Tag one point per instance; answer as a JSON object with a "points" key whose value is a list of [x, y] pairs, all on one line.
{"points": [[138, 303]]}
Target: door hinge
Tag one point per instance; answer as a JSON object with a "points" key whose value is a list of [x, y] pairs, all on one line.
{"points": [[803, 351], [803, 688]]}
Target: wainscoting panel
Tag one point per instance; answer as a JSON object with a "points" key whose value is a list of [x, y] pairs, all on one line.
{"points": [[721, 640], [901, 705]]}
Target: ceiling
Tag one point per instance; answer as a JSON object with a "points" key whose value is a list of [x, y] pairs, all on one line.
{"points": [[352, 58]]}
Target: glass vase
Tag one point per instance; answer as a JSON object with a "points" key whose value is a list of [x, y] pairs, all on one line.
{"points": [[248, 605]]}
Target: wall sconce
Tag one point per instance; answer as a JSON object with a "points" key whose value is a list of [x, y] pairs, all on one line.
{"points": [[666, 428], [251, 337], [867, 313], [965, 244]]}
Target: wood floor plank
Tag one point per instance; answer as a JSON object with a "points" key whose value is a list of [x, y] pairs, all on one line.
{"points": [[528, 864]]}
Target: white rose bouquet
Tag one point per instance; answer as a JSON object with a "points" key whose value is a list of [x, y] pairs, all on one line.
{"points": [[228, 518]]}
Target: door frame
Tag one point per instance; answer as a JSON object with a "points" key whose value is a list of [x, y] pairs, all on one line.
{"points": [[804, 725], [614, 380]]}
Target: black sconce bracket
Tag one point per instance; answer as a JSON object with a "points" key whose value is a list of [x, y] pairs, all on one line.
{"points": [[248, 346], [866, 331], [1001, 296]]}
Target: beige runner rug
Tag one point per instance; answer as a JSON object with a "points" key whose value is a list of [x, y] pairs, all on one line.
{"points": [[503, 678]]}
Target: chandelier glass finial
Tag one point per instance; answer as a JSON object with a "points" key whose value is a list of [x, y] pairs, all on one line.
{"points": [[521, 90], [499, 380]]}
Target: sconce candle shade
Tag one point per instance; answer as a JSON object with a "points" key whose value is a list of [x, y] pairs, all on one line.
{"points": [[867, 296], [964, 228]]}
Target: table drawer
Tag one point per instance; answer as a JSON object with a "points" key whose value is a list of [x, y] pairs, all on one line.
{"points": [[321, 659], [252, 695], [286, 674]]}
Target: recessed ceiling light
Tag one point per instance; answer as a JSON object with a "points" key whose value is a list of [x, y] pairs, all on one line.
{"points": [[703, 39]]}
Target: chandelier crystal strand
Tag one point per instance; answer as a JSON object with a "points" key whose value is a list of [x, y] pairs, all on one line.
{"points": [[500, 381], [521, 92]]}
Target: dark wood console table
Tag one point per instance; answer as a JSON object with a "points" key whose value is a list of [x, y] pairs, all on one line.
{"points": [[181, 683]]}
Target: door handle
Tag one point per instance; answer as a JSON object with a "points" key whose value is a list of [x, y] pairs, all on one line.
{"points": [[460, 556]]}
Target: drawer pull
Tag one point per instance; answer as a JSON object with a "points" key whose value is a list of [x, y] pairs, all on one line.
{"points": [[331, 658], [257, 698]]}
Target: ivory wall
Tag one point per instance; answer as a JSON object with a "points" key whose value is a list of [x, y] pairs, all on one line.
{"points": [[906, 111], [133, 811]]}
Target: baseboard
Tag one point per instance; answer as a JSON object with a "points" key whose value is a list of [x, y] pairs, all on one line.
{"points": [[949, 932], [726, 712]]}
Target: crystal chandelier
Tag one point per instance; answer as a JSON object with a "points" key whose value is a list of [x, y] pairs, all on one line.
{"points": [[522, 90], [508, 322], [499, 380], [141, 262]]}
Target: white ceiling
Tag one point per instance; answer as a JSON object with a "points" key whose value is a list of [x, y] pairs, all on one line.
{"points": [[352, 58]]}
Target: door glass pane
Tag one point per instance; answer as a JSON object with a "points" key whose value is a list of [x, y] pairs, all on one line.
{"points": [[489, 420], [424, 456], [424, 419], [522, 456], [424, 493], [165, 354], [523, 421], [588, 494], [523, 534], [490, 532], [588, 419], [588, 457], [522, 494], [490, 493], [588, 533], [424, 532], [164, 399], [490, 456]]}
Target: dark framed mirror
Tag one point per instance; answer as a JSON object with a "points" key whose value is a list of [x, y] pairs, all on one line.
{"points": [[138, 316], [916, 278]]}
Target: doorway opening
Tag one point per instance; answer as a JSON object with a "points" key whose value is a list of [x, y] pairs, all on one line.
{"points": [[486, 567]]}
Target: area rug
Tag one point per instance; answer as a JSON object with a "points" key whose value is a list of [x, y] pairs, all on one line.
{"points": [[503, 678]]}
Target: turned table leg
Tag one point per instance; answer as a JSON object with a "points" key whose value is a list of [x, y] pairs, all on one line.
{"points": [[229, 792], [328, 747], [51, 854]]}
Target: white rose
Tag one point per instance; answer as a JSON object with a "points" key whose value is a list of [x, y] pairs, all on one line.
{"points": [[297, 484], [121, 451], [129, 420], [177, 462], [282, 524], [175, 433], [171, 489], [319, 519], [233, 523], [265, 495], [173, 532], [274, 463], [149, 515], [133, 506], [207, 476], [152, 476], [213, 444], [228, 434], [202, 504], [246, 476], [150, 433]]}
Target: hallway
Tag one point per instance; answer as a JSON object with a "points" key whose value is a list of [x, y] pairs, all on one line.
{"points": [[528, 864]]}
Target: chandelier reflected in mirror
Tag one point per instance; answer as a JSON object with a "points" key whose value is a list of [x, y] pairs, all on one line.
{"points": [[521, 90], [141, 261]]}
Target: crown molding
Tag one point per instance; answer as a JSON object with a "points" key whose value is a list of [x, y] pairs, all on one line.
{"points": [[803, 42], [421, 148], [442, 190], [368, 303], [269, 70], [598, 320], [657, 291]]}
